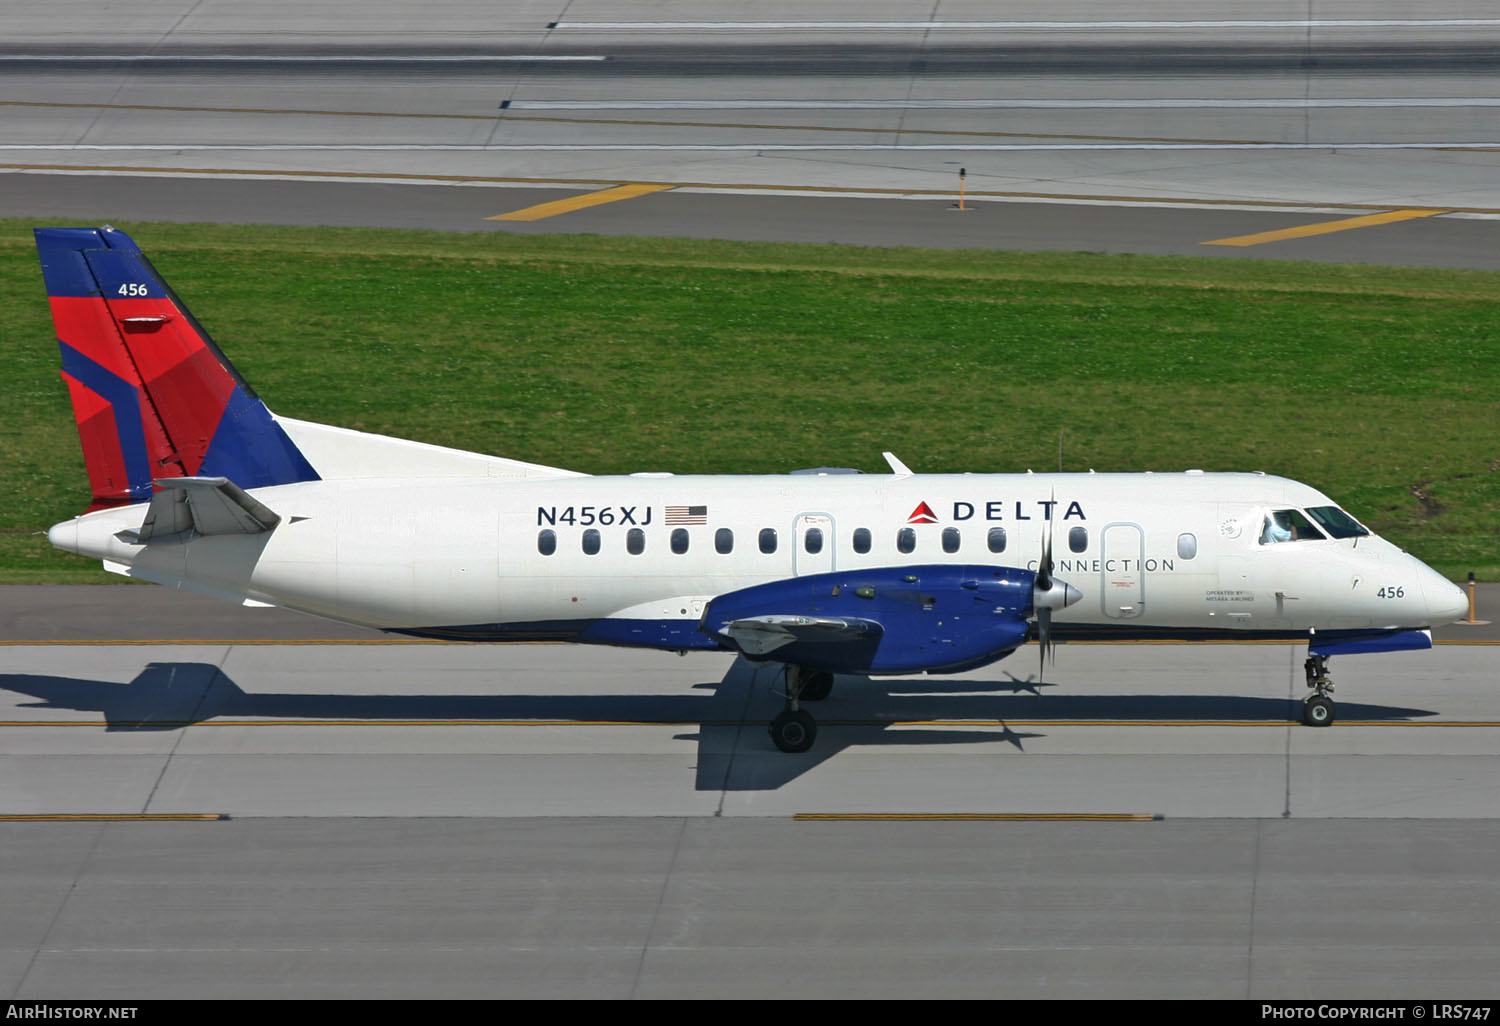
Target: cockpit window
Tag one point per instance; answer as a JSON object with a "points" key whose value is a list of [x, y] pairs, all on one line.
{"points": [[1284, 525], [1337, 523]]}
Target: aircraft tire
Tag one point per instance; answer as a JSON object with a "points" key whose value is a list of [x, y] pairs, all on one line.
{"points": [[1318, 711], [794, 731]]}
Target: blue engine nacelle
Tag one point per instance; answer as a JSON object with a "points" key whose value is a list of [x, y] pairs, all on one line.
{"points": [[933, 618]]}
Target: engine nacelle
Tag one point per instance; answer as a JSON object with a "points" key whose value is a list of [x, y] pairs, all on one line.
{"points": [[932, 618]]}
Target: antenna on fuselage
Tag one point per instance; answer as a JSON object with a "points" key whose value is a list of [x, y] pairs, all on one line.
{"points": [[897, 467]]}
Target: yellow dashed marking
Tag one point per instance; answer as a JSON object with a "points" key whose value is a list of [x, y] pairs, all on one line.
{"points": [[1323, 228]]}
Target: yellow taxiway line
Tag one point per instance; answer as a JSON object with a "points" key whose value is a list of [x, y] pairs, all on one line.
{"points": [[1323, 228], [588, 199], [748, 187]]}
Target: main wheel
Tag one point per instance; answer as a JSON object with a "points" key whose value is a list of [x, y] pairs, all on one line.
{"points": [[1318, 711], [793, 731], [817, 687]]}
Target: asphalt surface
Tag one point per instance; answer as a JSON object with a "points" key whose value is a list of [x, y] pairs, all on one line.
{"points": [[549, 821], [674, 908], [1449, 241]]}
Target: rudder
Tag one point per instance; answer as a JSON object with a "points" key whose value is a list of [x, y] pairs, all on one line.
{"points": [[152, 395]]}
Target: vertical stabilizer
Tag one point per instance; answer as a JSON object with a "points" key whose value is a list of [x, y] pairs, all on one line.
{"points": [[152, 394]]}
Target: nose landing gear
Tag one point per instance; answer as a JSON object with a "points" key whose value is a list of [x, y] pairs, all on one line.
{"points": [[1318, 708], [794, 730]]}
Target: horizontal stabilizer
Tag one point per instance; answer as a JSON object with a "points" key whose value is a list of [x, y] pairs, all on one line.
{"points": [[207, 505], [760, 635]]}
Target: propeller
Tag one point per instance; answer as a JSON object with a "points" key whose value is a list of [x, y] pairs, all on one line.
{"points": [[1048, 594], [1041, 591]]}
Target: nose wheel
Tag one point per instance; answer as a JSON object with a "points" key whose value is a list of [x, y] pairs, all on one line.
{"points": [[794, 730], [1318, 707]]}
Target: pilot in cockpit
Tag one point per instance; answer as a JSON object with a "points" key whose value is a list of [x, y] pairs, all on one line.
{"points": [[1279, 528]]}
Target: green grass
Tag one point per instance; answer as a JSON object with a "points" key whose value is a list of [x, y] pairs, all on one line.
{"points": [[1380, 386]]}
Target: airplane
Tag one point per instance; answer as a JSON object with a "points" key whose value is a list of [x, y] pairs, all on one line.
{"points": [[197, 485]]}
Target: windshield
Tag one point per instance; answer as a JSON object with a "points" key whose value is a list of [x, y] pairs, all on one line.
{"points": [[1286, 525], [1337, 523]]}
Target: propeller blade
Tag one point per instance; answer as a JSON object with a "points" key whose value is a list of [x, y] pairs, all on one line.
{"points": [[1044, 568], [1044, 639], [1044, 597]]}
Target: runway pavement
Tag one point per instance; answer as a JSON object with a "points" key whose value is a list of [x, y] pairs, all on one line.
{"points": [[288, 818]]}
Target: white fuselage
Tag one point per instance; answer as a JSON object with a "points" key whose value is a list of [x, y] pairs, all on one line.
{"points": [[1149, 552]]}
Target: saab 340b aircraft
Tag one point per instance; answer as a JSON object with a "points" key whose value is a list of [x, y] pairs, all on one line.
{"points": [[198, 486]]}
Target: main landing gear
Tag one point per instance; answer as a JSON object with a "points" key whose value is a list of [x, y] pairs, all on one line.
{"points": [[1317, 708], [793, 729]]}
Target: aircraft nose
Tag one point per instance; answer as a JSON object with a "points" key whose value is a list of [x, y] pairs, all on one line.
{"points": [[1446, 601]]}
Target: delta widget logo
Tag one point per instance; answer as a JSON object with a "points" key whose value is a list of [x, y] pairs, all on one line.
{"points": [[923, 514]]}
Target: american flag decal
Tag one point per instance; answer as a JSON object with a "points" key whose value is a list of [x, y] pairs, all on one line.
{"points": [[682, 515]]}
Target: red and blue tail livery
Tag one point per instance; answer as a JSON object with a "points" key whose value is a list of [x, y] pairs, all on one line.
{"points": [[153, 396]]}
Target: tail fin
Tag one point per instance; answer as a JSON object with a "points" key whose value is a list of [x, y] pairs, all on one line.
{"points": [[152, 394]]}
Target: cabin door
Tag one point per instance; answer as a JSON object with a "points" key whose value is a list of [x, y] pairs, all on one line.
{"points": [[1122, 578]]}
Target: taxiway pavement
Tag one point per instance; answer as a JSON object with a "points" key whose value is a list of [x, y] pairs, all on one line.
{"points": [[228, 819]]}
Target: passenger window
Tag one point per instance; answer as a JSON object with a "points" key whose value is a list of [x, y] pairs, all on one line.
{"points": [[591, 542], [1078, 539], [635, 541], [950, 539], [680, 540], [1187, 546], [997, 539], [906, 540], [812, 541], [768, 540], [723, 541], [546, 542], [861, 540], [1284, 525]]}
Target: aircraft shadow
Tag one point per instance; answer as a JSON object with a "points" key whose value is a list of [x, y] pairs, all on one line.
{"points": [[734, 750]]}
